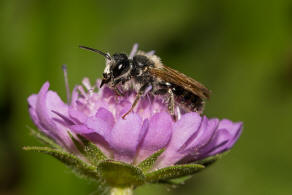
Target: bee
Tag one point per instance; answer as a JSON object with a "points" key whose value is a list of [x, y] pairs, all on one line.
{"points": [[145, 73]]}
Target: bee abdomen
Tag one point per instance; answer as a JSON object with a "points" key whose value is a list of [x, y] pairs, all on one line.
{"points": [[188, 100]]}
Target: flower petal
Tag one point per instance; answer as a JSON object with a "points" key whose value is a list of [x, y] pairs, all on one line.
{"points": [[183, 130], [234, 128], [97, 125], [81, 129], [226, 136], [42, 111], [47, 102], [157, 136], [32, 108], [126, 136], [102, 123], [78, 116], [204, 135], [106, 116], [32, 100]]}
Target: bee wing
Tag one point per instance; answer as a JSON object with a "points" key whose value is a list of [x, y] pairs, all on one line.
{"points": [[175, 77]]}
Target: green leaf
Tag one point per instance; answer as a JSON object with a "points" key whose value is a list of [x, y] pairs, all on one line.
{"points": [[91, 151], [70, 160], [119, 174], [43, 138], [210, 160], [173, 172], [147, 164]]}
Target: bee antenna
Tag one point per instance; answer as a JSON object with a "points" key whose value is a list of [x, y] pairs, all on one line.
{"points": [[96, 51]]}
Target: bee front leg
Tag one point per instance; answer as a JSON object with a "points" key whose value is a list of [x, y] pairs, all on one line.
{"points": [[117, 91], [115, 87], [138, 96], [171, 104]]}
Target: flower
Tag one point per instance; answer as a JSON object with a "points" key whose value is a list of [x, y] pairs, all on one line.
{"points": [[90, 134], [97, 115]]}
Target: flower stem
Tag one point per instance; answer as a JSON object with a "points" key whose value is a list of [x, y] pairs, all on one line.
{"points": [[121, 191]]}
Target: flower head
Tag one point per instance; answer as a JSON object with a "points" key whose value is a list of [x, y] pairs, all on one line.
{"points": [[96, 114]]}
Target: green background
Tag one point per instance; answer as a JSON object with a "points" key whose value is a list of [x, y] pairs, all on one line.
{"points": [[241, 50]]}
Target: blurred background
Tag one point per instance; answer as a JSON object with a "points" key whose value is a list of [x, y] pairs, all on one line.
{"points": [[241, 50]]}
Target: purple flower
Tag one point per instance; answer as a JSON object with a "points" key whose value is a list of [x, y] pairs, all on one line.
{"points": [[97, 115]]}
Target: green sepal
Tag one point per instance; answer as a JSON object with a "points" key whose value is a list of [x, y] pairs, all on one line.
{"points": [[173, 172], [77, 143], [148, 163], [176, 182], [210, 160], [43, 138], [91, 151], [119, 174], [70, 160]]}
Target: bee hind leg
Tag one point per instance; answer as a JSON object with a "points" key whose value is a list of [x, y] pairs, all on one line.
{"points": [[170, 100], [171, 104]]}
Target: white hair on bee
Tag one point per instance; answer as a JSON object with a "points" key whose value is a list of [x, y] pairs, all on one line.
{"points": [[108, 65], [151, 56]]}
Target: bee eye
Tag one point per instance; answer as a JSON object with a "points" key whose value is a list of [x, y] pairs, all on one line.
{"points": [[122, 65], [121, 68]]}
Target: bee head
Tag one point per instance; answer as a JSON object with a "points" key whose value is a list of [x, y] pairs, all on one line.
{"points": [[116, 66]]}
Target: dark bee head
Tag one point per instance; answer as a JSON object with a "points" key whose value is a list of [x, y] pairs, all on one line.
{"points": [[116, 66]]}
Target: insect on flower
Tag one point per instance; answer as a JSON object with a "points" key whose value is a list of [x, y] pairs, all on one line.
{"points": [[145, 73]]}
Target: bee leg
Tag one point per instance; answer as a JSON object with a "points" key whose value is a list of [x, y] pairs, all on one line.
{"points": [[138, 96], [115, 87], [117, 91], [171, 104]]}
